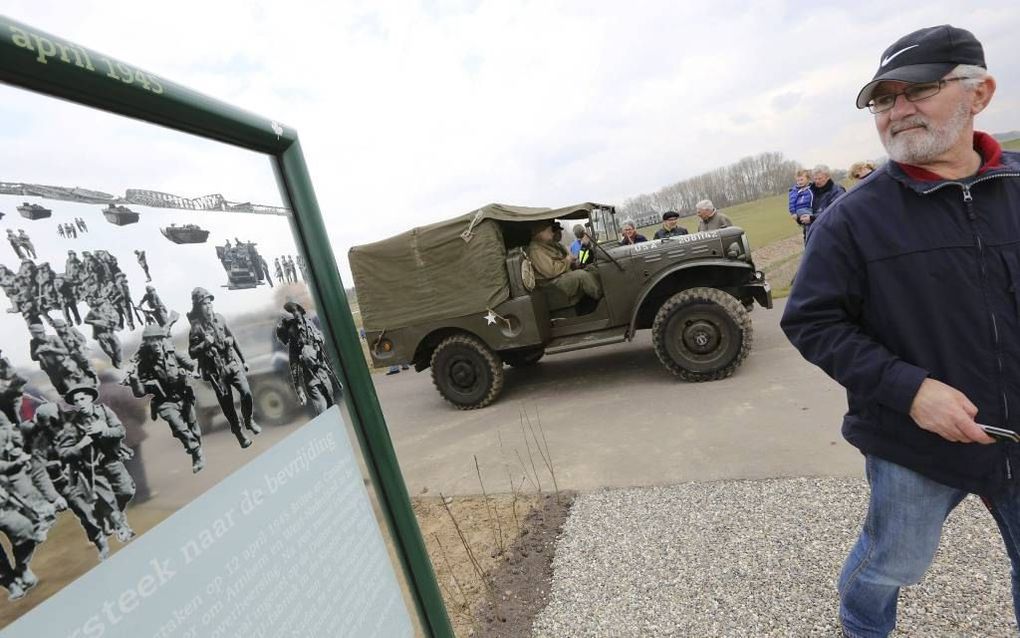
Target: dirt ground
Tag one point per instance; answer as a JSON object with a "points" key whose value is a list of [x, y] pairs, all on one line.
{"points": [[493, 557]]}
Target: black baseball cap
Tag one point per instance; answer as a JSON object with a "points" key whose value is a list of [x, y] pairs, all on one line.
{"points": [[926, 55], [670, 214]]}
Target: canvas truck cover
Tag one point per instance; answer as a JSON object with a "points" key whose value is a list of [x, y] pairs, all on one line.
{"points": [[447, 269]]}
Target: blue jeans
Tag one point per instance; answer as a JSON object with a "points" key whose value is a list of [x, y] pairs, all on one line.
{"points": [[898, 542]]}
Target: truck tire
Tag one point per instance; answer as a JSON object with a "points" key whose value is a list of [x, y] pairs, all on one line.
{"points": [[702, 334], [523, 358], [466, 372], [275, 401]]}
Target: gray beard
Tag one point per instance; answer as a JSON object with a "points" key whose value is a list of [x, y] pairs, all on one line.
{"points": [[928, 144]]}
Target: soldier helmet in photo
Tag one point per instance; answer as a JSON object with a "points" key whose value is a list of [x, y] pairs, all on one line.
{"points": [[670, 214], [150, 288], [78, 389], [153, 331], [37, 329], [200, 294], [293, 306], [58, 323]]}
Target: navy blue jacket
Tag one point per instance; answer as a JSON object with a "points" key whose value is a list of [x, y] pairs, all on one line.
{"points": [[905, 279]]}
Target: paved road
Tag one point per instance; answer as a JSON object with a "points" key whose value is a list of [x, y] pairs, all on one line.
{"points": [[613, 417]]}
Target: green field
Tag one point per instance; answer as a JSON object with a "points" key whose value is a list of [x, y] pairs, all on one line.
{"points": [[764, 220], [1012, 145]]}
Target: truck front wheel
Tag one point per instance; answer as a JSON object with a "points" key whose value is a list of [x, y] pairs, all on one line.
{"points": [[466, 372], [702, 334]]}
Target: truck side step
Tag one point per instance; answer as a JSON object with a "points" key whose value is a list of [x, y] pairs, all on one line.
{"points": [[587, 340]]}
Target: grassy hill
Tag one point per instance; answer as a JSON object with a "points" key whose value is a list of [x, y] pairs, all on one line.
{"points": [[1012, 145]]}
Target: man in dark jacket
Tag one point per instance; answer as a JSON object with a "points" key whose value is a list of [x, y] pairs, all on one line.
{"points": [[670, 225], [824, 191], [912, 305]]}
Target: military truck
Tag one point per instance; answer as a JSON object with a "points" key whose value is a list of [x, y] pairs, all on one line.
{"points": [[459, 297]]}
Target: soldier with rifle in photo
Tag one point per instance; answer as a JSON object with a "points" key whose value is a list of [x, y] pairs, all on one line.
{"points": [[45, 467], [313, 378], [143, 262], [9, 284], [103, 319], [23, 517], [91, 444], [159, 370], [75, 343], [12, 385], [26, 243], [221, 363], [56, 361], [156, 312]]}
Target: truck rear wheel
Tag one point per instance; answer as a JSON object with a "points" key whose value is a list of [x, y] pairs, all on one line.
{"points": [[275, 401], [466, 372], [702, 334]]}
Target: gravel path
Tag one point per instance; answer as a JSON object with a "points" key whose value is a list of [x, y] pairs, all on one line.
{"points": [[754, 558]]}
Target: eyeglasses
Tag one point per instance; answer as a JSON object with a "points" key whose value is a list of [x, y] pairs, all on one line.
{"points": [[913, 93]]}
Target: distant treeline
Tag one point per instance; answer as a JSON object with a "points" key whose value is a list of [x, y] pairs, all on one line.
{"points": [[749, 179]]}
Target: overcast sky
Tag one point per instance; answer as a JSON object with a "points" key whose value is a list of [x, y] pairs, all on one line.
{"points": [[410, 112]]}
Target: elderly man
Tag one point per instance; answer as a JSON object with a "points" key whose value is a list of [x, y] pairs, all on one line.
{"points": [[670, 225], [552, 266], [824, 191], [912, 306], [709, 218]]}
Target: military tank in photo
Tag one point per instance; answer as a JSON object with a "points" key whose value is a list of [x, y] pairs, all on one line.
{"points": [[34, 211], [242, 263], [120, 215], [186, 234]]}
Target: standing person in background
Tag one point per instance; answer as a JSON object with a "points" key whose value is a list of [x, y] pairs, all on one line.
{"points": [[860, 170], [670, 225], [824, 191], [630, 234], [801, 200], [710, 218], [911, 305]]}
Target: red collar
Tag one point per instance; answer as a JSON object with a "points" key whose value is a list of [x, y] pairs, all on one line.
{"points": [[986, 145]]}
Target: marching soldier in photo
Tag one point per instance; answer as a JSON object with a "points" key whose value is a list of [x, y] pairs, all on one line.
{"points": [[120, 297], [288, 265], [91, 444], [11, 386], [26, 243], [156, 311], [45, 467], [310, 372], [279, 271], [221, 363], [158, 369], [9, 284], [303, 267], [22, 519], [68, 298], [73, 267], [47, 296], [16, 244], [103, 319], [70, 231], [80, 223], [75, 343], [140, 256], [60, 231], [56, 361]]}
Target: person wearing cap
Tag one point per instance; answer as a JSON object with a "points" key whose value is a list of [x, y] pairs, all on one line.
{"points": [[709, 218], [552, 265], [221, 363], [56, 360], [91, 445], [670, 225], [159, 370], [25, 515], [912, 306]]}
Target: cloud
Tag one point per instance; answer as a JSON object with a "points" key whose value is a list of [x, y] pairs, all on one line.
{"points": [[410, 112]]}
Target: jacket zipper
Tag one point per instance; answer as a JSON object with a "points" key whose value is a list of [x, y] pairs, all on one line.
{"points": [[966, 185], [968, 202]]}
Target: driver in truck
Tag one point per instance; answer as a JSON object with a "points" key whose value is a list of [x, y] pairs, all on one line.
{"points": [[552, 267]]}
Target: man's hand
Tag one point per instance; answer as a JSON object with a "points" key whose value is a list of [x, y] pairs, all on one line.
{"points": [[805, 219], [946, 411]]}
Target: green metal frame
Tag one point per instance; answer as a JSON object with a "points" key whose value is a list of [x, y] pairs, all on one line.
{"points": [[37, 61]]}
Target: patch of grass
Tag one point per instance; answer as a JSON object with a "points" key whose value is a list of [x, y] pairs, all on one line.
{"points": [[764, 220], [1012, 145]]}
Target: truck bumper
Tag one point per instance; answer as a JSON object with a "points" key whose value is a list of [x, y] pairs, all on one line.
{"points": [[760, 290]]}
